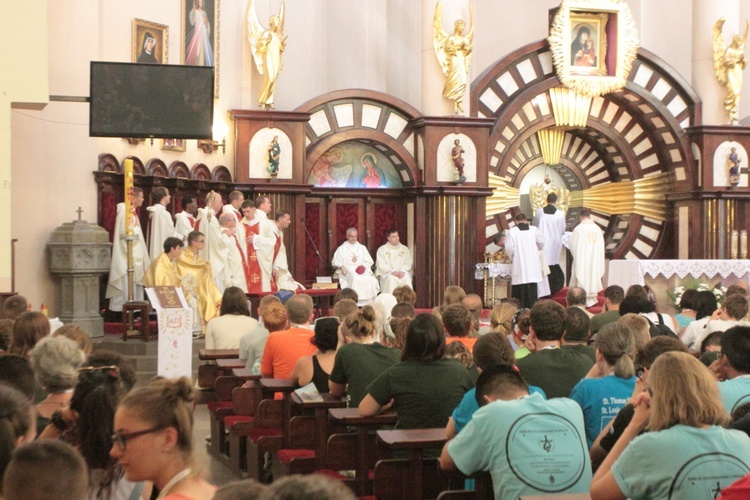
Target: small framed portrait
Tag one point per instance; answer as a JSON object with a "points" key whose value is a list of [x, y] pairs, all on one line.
{"points": [[173, 144], [150, 42], [588, 47], [200, 37]]}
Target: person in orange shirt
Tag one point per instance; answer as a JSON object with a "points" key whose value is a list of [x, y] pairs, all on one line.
{"points": [[284, 348], [458, 325]]}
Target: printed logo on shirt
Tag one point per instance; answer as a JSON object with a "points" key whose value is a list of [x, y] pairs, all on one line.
{"points": [[744, 399], [705, 475], [546, 451]]}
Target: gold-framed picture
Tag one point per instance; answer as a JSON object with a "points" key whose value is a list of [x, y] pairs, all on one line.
{"points": [[200, 40], [588, 48], [593, 45], [173, 144], [150, 43]]}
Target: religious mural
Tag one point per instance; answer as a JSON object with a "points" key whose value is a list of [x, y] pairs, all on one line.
{"points": [[354, 165]]}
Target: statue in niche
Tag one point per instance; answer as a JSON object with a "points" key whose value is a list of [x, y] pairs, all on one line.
{"points": [[274, 153], [733, 161], [457, 155], [453, 52], [267, 45], [729, 62]]}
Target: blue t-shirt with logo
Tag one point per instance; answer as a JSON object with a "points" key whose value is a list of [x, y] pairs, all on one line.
{"points": [[735, 392], [601, 399], [538, 447], [682, 462], [468, 406]]}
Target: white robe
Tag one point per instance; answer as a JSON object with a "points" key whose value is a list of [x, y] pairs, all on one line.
{"points": [[552, 227], [284, 280], [216, 248], [234, 272], [263, 243], [184, 224], [393, 258], [587, 246], [160, 228], [522, 247], [117, 286], [229, 209], [350, 256]]}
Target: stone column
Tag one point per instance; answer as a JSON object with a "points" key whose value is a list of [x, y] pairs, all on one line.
{"points": [[705, 14]]}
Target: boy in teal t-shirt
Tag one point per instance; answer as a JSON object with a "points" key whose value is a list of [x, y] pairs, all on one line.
{"points": [[537, 447]]}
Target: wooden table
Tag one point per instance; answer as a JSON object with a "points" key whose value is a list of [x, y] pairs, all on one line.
{"points": [[351, 417], [228, 364], [214, 354], [321, 420], [245, 374], [414, 442]]}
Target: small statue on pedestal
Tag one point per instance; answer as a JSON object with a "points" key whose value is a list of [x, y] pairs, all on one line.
{"points": [[274, 152], [458, 161], [734, 168]]}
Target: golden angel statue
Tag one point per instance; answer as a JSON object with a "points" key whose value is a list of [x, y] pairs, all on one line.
{"points": [[267, 45], [729, 63], [454, 54]]}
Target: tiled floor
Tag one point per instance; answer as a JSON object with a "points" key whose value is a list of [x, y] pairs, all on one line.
{"points": [[214, 471]]}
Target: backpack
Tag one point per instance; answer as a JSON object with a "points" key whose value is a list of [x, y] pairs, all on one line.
{"points": [[660, 329]]}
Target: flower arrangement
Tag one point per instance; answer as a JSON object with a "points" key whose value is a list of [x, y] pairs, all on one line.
{"points": [[696, 284]]}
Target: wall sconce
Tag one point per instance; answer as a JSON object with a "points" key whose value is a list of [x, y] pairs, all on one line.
{"points": [[209, 146]]}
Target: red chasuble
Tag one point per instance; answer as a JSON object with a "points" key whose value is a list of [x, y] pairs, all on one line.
{"points": [[254, 284]]}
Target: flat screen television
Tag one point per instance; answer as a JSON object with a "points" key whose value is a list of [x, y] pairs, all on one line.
{"points": [[151, 100]]}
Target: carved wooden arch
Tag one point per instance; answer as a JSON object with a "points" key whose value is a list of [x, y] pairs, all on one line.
{"points": [[338, 133], [179, 169], [108, 163], [200, 172], [157, 168], [221, 174], [138, 168]]}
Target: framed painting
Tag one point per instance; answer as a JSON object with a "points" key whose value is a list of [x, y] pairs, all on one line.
{"points": [[593, 45], [588, 47], [173, 144], [200, 40], [150, 44]]}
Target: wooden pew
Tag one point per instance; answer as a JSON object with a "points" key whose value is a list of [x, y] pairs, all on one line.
{"points": [[218, 411], [207, 372], [482, 489], [308, 434], [357, 449]]}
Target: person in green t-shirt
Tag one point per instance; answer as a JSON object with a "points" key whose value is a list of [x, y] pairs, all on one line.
{"points": [[362, 359], [424, 387]]}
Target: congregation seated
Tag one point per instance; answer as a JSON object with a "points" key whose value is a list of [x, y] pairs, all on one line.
{"points": [[458, 325], [576, 334], [506, 411], [685, 304], [344, 308], [28, 329], [684, 416], [613, 296], [474, 304], [284, 348], [77, 335], [732, 311], [610, 382], [14, 307], [394, 330], [646, 307], [18, 424], [424, 387], [733, 368], [556, 371], [705, 305], [346, 293], [273, 319], [639, 326], [501, 321], [361, 359], [711, 348], [6, 332], [405, 295], [317, 367], [16, 372], [64, 475], [234, 321], [453, 295], [520, 326], [576, 297]]}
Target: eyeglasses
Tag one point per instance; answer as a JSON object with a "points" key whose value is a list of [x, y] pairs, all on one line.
{"points": [[111, 370], [121, 440], [338, 321]]}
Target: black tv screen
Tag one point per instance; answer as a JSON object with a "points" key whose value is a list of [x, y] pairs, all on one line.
{"points": [[151, 100]]}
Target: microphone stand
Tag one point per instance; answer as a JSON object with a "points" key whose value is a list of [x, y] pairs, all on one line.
{"points": [[309, 236]]}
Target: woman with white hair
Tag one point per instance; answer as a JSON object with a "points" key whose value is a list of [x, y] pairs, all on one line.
{"points": [[55, 361]]}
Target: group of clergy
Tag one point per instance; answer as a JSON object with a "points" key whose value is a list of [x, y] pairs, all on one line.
{"points": [[534, 252]]}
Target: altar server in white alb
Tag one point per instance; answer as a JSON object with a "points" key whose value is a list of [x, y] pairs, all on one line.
{"points": [[117, 286], [551, 223], [280, 273], [160, 225], [393, 264], [184, 222], [264, 242], [587, 246], [353, 264], [235, 268], [236, 199], [214, 250], [522, 246]]}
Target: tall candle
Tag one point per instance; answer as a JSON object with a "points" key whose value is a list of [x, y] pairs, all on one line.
{"points": [[743, 244], [734, 248], [129, 210]]}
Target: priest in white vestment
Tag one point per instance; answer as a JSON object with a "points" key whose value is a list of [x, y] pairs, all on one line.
{"points": [[393, 264], [234, 207], [280, 273], [587, 246], [551, 223], [264, 242], [250, 225], [522, 245], [353, 264], [235, 269], [214, 250], [117, 286], [184, 222], [160, 225]]}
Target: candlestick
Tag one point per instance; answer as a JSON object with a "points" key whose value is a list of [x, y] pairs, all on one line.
{"points": [[129, 210], [735, 244], [743, 244]]}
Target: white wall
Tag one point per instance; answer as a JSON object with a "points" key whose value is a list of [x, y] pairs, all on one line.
{"points": [[332, 44]]}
